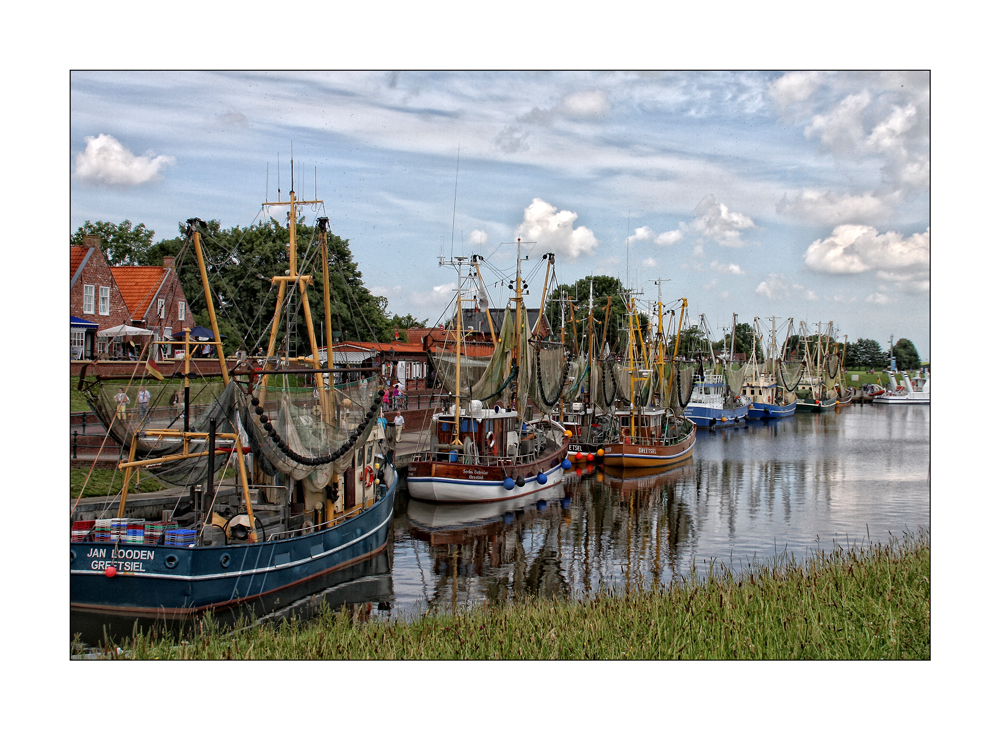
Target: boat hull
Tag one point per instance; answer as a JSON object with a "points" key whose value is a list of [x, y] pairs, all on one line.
{"points": [[644, 456], [764, 411], [903, 399], [712, 417], [815, 406], [439, 481], [169, 581]]}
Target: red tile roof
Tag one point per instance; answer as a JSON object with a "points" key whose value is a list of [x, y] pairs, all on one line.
{"points": [[138, 285], [76, 254], [397, 347]]}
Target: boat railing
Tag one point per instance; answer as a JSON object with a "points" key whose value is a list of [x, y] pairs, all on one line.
{"points": [[338, 519]]}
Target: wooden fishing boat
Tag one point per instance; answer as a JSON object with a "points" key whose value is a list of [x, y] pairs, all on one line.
{"points": [[315, 487], [648, 434], [487, 453], [822, 364], [765, 386]]}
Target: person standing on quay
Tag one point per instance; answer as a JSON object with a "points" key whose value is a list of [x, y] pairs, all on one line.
{"points": [[398, 422], [122, 400], [143, 400]]}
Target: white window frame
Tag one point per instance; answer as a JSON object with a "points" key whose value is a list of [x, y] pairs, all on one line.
{"points": [[104, 303], [88, 298], [180, 311], [77, 338], [161, 308]]}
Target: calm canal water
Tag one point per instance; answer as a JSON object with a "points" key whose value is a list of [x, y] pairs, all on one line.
{"points": [[796, 486]]}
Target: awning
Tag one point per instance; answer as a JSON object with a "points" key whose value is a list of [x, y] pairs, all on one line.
{"points": [[76, 322], [124, 330], [198, 333]]}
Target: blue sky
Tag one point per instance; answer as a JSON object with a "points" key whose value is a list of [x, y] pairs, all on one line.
{"points": [[786, 194]]}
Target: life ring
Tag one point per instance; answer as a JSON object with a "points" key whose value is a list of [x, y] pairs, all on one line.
{"points": [[491, 441], [628, 440], [369, 476]]}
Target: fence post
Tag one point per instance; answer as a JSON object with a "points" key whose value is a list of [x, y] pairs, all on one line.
{"points": [[74, 444]]}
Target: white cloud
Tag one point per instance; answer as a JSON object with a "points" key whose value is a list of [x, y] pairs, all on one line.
{"points": [[793, 89], [669, 238], [641, 234], [717, 222], [649, 263], [832, 208], [773, 287], [842, 130], [877, 298], [586, 104], [106, 161], [478, 238], [856, 249], [726, 268], [553, 230]]}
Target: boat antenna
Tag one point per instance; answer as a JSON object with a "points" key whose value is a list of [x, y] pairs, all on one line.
{"points": [[454, 207]]}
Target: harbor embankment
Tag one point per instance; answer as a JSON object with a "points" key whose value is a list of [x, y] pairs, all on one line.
{"points": [[862, 602]]}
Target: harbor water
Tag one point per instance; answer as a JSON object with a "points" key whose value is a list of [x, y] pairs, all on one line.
{"points": [[791, 487]]}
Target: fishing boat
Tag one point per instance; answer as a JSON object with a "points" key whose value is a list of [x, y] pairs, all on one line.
{"points": [[650, 429], [484, 447], [916, 391], [315, 482], [766, 385], [822, 365], [716, 401]]}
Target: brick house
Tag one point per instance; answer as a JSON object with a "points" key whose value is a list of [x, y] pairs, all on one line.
{"points": [[94, 300], [155, 300]]}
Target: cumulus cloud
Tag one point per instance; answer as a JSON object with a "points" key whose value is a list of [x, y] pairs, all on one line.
{"points": [[773, 287], [649, 263], [106, 161], [832, 208], [715, 221], [726, 268], [877, 298], [478, 237], [791, 91], [856, 249], [641, 234], [669, 238], [842, 130], [553, 230]]}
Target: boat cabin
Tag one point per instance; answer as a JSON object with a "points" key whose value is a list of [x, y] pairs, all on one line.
{"points": [[482, 432]]}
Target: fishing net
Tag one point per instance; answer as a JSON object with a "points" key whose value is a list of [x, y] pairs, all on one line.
{"points": [[579, 375], [735, 375], [832, 365], [551, 373], [607, 385], [790, 374], [307, 432], [685, 384], [208, 401]]}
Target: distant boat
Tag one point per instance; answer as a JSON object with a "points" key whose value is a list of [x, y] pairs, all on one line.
{"points": [[767, 385], [917, 391], [822, 369], [716, 401]]}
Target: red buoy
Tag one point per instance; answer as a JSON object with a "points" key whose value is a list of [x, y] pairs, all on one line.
{"points": [[590, 457], [110, 571]]}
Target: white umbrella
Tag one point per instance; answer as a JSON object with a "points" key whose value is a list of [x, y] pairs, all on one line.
{"points": [[124, 330]]}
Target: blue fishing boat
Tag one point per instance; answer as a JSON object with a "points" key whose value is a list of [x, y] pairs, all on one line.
{"points": [[315, 481], [770, 385]]}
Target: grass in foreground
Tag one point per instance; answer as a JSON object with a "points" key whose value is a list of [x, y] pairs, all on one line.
{"points": [[861, 603]]}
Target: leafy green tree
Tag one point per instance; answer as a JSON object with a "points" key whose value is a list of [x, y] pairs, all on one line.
{"points": [[865, 353], [906, 355], [579, 292], [240, 263], [122, 244]]}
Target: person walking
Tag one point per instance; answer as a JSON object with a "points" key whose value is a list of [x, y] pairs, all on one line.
{"points": [[122, 400], [178, 403], [398, 422], [143, 400], [396, 397]]}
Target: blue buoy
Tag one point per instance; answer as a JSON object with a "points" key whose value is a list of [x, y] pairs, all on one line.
{"points": [[452, 456], [567, 465], [508, 484], [542, 478]]}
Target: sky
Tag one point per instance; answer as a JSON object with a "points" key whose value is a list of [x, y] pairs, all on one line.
{"points": [[801, 194]]}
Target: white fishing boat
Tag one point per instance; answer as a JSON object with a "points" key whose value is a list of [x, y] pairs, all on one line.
{"points": [[916, 391]]}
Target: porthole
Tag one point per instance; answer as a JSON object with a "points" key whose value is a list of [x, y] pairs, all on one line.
{"points": [[171, 561]]}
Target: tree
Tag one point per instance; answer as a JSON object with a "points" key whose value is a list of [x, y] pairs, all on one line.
{"points": [[122, 244], [906, 355], [240, 263], [865, 354], [579, 293]]}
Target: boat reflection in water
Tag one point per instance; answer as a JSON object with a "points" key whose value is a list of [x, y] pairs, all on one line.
{"points": [[495, 551], [359, 587]]}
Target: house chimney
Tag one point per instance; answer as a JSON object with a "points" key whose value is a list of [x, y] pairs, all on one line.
{"points": [[92, 241], [168, 262]]}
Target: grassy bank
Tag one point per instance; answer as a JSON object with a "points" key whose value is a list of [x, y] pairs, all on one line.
{"points": [[862, 603]]}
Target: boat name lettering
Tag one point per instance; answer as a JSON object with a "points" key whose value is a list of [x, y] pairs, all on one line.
{"points": [[126, 566], [646, 451], [474, 473]]}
